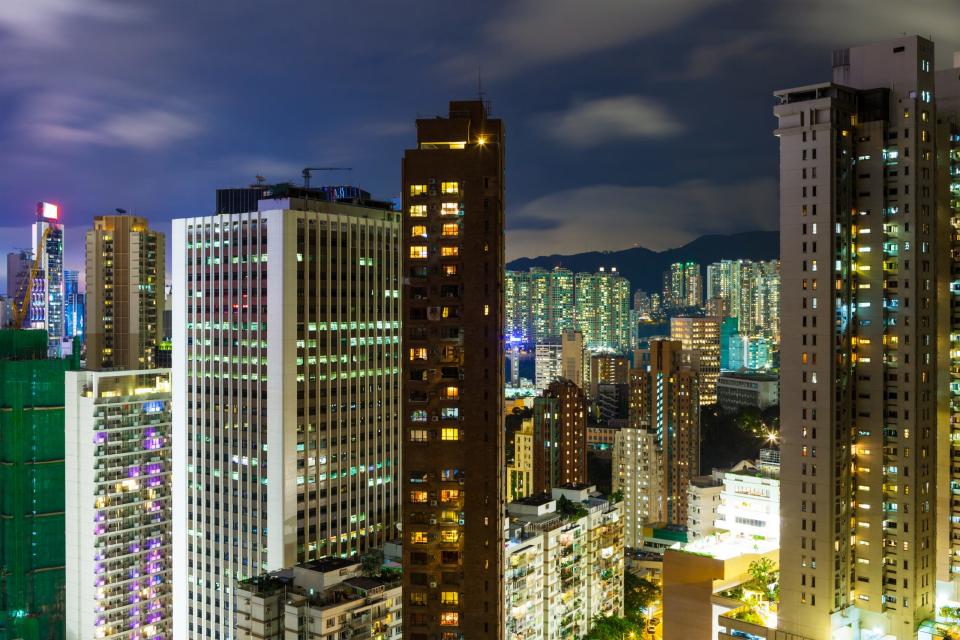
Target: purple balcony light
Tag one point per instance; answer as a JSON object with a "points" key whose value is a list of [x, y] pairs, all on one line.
{"points": [[100, 517], [100, 437], [101, 621], [154, 467], [98, 567], [133, 471], [135, 547], [153, 617]]}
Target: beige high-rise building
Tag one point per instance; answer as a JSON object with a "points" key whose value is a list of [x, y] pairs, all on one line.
{"points": [[658, 452], [125, 287], [864, 250], [571, 342], [701, 335]]}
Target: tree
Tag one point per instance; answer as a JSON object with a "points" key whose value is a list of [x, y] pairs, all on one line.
{"points": [[638, 594], [371, 562], [613, 628], [762, 571]]}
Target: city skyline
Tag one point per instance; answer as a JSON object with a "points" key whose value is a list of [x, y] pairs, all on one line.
{"points": [[608, 116]]}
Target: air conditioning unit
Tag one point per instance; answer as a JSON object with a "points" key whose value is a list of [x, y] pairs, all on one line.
{"points": [[433, 521], [433, 503], [433, 585]]}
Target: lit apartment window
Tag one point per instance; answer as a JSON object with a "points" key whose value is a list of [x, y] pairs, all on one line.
{"points": [[447, 252], [449, 495], [449, 229], [449, 535], [418, 231], [418, 211], [453, 392], [449, 269], [418, 599], [450, 597], [418, 537], [418, 251], [450, 187], [418, 496], [418, 435], [450, 433], [418, 189], [418, 353], [419, 415], [449, 618], [449, 209]]}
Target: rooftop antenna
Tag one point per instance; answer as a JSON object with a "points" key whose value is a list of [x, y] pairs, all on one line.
{"points": [[307, 170], [260, 179]]}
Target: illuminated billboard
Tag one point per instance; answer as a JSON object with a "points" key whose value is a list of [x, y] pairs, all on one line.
{"points": [[48, 210]]}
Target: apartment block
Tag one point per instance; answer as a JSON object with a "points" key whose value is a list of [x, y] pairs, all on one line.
{"points": [[864, 245], [453, 373]]}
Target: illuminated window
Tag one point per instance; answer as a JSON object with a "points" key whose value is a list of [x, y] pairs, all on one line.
{"points": [[418, 435], [449, 535], [420, 415], [449, 209], [450, 597], [486, 309], [449, 187], [418, 599], [449, 269], [449, 618], [418, 231], [418, 251], [445, 251], [418, 537], [450, 433], [449, 495], [418, 496], [453, 392], [418, 353], [450, 413], [449, 229], [418, 211], [418, 189]]}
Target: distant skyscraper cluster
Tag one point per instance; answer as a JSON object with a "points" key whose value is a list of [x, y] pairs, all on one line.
{"points": [[750, 292], [683, 285], [540, 304]]}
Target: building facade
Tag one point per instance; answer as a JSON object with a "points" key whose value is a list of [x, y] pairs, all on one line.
{"points": [[286, 379], [327, 598], [703, 501], [736, 390], [520, 468], [702, 336], [562, 568], [453, 440], [46, 309], [603, 310], [560, 436], [864, 353], [125, 289], [118, 504]]}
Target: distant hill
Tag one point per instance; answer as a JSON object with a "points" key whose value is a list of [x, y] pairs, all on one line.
{"points": [[644, 268]]}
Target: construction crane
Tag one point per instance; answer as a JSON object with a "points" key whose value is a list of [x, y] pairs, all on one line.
{"points": [[20, 308], [307, 170]]}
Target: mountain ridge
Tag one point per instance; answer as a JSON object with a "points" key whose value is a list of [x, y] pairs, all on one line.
{"points": [[644, 267]]}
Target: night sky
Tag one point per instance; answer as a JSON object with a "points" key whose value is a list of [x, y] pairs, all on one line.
{"points": [[628, 121]]}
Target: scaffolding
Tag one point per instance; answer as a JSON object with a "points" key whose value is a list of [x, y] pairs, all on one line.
{"points": [[32, 547]]}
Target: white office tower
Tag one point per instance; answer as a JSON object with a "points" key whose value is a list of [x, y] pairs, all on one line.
{"points": [[865, 244], [286, 384], [118, 505]]}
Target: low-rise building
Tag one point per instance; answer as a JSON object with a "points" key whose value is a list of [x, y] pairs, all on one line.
{"points": [[520, 467], [750, 501], [703, 499], [563, 563], [328, 598], [739, 389]]}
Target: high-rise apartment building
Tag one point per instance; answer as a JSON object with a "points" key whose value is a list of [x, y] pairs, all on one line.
{"points": [[286, 381], [701, 335], [603, 310], [32, 546], [608, 368], [661, 446], [18, 272], [864, 226], [750, 292], [538, 304], [683, 286], [118, 504], [46, 299], [564, 568], [453, 264], [125, 288], [560, 434]]}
